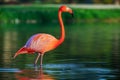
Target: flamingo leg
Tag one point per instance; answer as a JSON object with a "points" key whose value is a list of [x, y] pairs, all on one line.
{"points": [[41, 59], [36, 60]]}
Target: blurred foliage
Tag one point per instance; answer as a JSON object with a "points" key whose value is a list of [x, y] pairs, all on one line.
{"points": [[104, 1], [49, 14]]}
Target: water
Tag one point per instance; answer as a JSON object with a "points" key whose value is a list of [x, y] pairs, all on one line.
{"points": [[90, 52]]}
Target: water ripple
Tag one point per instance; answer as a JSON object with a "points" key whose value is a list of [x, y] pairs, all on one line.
{"points": [[81, 71], [9, 70]]}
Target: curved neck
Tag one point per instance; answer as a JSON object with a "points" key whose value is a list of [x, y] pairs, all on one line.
{"points": [[61, 39]]}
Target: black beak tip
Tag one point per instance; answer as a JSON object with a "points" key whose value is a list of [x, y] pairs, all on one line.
{"points": [[72, 15]]}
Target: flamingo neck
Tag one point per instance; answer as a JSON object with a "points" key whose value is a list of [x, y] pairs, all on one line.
{"points": [[61, 39]]}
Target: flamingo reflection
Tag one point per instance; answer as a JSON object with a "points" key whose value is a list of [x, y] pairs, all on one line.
{"points": [[33, 75]]}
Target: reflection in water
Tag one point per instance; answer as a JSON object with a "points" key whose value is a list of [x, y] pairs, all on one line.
{"points": [[115, 59], [33, 75], [8, 44], [71, 71]]}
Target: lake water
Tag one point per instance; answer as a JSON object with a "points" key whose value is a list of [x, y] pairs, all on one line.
{"points": [[91, 51]]}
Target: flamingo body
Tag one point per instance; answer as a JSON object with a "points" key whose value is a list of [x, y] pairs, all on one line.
{"points": [[42, 42]]}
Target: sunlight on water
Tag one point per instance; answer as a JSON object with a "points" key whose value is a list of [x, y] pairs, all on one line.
{"points": [[78, 71], [9, 70]]}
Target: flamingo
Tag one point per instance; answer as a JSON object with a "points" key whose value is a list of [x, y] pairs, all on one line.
{"points": [[42, 42]]}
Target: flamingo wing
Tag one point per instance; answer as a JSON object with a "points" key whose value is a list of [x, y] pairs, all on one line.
{"points": [[41, 43]]}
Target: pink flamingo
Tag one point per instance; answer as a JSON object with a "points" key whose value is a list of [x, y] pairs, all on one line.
{"points": [[42, 42]]}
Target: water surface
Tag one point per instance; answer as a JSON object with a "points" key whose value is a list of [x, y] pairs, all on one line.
{"points": [[90, 52]]}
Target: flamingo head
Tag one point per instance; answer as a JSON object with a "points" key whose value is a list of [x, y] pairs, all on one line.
{"points": [[23, 50], [64, 8]]}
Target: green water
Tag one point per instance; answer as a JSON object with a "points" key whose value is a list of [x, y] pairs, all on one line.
{"points": [[90, 52]]}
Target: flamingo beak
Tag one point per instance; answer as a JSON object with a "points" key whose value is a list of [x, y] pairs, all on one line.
{"points": [[15, 55], [71, 12], [21, 51]]}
